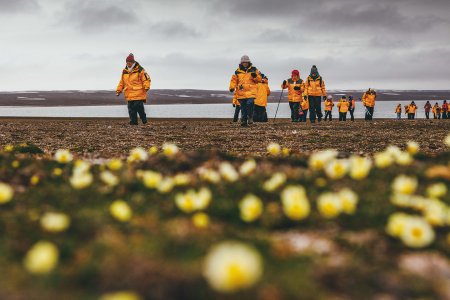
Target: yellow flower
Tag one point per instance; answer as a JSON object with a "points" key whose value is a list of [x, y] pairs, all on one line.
{"points": [[204, 197], [404, 185], [277, 180], [15, 164], [125, 295], [153, 150], [446, 140], [55, 222], [63, 156], [401, 200], [165, 185], [9, 148], [6, 193], [321, 182], [187, 202], [383, 160], [318, 160], [34, 179], [170, 149], [81, 166], [42, 258], [295, 203], [57, 171], [228, 172], [435, 212], [393, 151], [437, 190], [359, 167], [120, 210], [182, 179], [81, 181], [137, 154], [201, 220], [248, 167], [210, 176], [273, 148], [336, 169], [109, 178], [152, 179], [286, 152], [412, 147], [229, 267], [417, 233], [349, 200], [251, 208], [115, 164], [329, 205], [397, 224], [404, 159]]}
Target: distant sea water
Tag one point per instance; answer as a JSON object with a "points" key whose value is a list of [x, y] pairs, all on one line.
{"points": [[383, 109]]}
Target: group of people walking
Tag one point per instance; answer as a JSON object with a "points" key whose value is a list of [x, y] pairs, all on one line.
{"points": [[412, 108]]}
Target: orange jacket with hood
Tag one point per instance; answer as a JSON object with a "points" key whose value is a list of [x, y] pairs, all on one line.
{"points": [[135, 83], [294, 95], [315, 86], [262, 91], [243, 82]]}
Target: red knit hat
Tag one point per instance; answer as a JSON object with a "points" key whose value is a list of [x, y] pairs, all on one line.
{"points": [[295, 73], [130, 58]]}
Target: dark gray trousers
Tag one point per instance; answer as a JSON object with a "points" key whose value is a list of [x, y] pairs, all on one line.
{"points": [[135, 107]]}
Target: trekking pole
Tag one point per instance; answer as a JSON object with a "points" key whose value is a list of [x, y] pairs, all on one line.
{"points": [[278, 105]]}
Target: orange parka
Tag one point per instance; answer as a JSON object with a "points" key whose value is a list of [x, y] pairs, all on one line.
{"points": [[436, 110], [262, 91], [135, 84], [244, 83], [398, 109], [369, 99], [294, 95], [305, 102], [328, 105], [406, 109], [343, 105], [315, 87], [235, 100], [412, 108]]}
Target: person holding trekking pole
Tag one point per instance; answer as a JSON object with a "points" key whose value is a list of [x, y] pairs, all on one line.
{"points": [[135, 82], [237, 108], [427, 109], [315, 89], [295, 87], [368, 100], [244, 82]]}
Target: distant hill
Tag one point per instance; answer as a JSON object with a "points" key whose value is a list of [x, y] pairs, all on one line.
{"points": [[157, 97]]}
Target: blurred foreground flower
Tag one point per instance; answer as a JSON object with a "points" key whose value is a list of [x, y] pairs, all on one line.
{"points": [[336, 169], [192, 201], [404, 159], [42, 258], [34, 180], [295, 203], [170, 149], [81, 177], [229, 267], [152, 179], [120, 210], [201, 220], [63, 156], [404, 185], [9, 148], [182, 179], [153, 150], [137, 154], [437, 190], [446, 140], [286, 152], [318, 160], [349, 200], [55, 222], [251, 208], [115, 164], [109, 178], [125, 295], [383, 160], [359, 167], [412, 147], [6, 193], [15, 164], [396, 224], [273, 148], [247, 167], [165, 185], [228, 172], [277, 180], [57, 171], [329, 205], [414, 231], [210, 175]]}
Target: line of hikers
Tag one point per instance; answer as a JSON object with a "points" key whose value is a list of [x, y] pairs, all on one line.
{"points": [[250, 88], [437, 111]]}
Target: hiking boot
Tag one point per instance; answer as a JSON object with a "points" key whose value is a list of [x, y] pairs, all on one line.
{"points": [[296, 121], [132, 123], [250, 121], [144, 121], [312, 121], [243, 123]]}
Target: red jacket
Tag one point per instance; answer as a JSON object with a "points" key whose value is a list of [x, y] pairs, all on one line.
{"points": [[427, 107], [444, 107]]}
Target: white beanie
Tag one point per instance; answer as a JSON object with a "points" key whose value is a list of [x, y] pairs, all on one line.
{"points": [[244, 59]]}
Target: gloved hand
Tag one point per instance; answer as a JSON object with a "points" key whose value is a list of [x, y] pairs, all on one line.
{"points": [[146, 90], [297, 88], [234, 105], [324, 98], [118, 94], [284, 83], [231, 90], [306, 98], [254, 75]]}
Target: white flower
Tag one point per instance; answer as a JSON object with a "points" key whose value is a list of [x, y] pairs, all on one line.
{"points": [[6, 193], [248, 167], [277, 180], [329, 205], [120, 210], [417, 233], [228, 172], [204, 197], [447, 140], [109, 178], [63, 156], [192, 201], [115, 164], [383, 160], [138, 154], [295, 203], [397, 224], [435, 212], [404, 185], [437, 190], [42, 258], [229, 267], [152, 179], [81, 167], [81, 180], [359, 167], [182, 179], [273, 148], [55, 222], [318, 160], [412, 147], [349, 200], [251, 208], [393, 151], [210, 176], [337, 168], [166, 185], [404, 159], [170, 149]]}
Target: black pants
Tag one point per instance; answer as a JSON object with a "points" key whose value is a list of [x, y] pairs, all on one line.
{"points": [[328, 114], [303, 117], [369, 113], [260, 114], [411, 116], [246, 108], [444, 115], [135, 107], [351, 115], [294, 106], [342, 116], [237, 110], [315, 108], [427, 115]]}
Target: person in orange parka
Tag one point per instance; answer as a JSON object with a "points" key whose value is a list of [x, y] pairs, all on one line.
{"points": [[412, 111], [343, 108], [368, 100], [328, 107], [351, 109], [296, 87], [237, 108], [398, 111], [262, 91], [427, 109], [135, 83], [437, 111], [315, 88], [406, 109]]}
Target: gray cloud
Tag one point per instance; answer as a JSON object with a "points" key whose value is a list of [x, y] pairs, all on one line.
{"points": [[386, 42], [280, 36], [173, 29], [18, 6]]}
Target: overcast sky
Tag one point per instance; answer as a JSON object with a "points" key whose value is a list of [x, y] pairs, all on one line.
{"points": [[193, 44]]}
